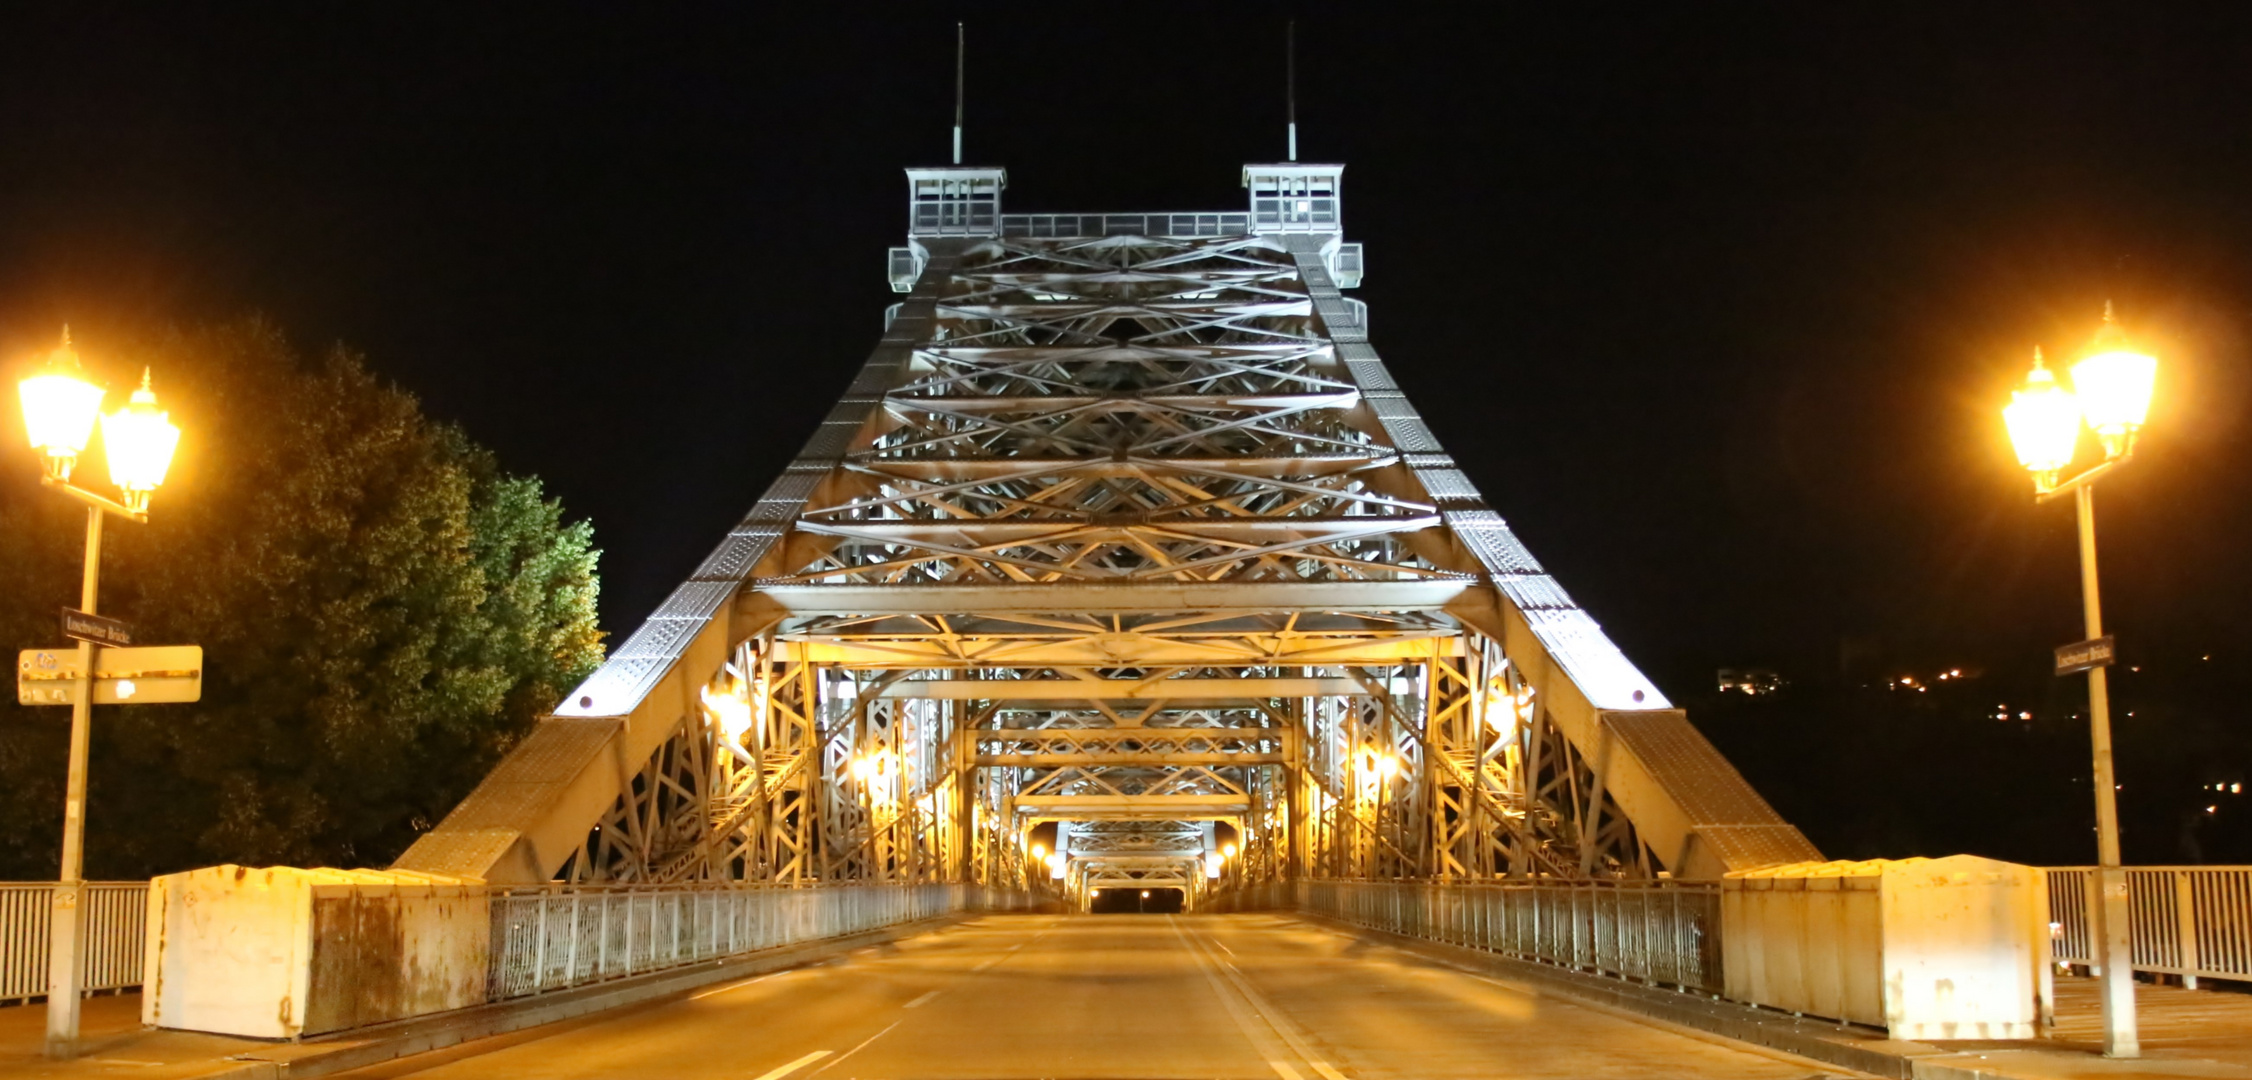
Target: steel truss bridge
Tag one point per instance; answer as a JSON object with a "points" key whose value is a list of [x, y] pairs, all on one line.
{"points": [[1124, 525]]}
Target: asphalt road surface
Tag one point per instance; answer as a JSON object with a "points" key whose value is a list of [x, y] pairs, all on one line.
{"points": [[1109, 997]]}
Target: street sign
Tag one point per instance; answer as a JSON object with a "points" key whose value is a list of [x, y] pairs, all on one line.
{"points": [[149, 675], [99, 629], [2084, 656]]}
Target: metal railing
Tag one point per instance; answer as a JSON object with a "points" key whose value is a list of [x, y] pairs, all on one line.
{"points": [[2189, 921], [1661, 932], [553, 938], [1188, 224], [116, 918]]}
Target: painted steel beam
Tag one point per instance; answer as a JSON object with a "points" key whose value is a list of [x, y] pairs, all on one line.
{"points": [[1310, 528], [1123, 689], [1051, 761], [1111, 650], [1118, 597]]}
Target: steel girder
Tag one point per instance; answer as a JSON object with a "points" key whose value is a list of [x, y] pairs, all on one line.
{"points": [[1132, 531]]}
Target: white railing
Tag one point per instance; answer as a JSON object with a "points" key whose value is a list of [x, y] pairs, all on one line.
{"points": [[552, 938], [1190, 224], [1661, 932], [2189, 921], [116, 913]]}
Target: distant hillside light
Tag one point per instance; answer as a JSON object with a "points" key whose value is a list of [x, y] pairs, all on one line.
{"points": [[140, 440], [2114, 384], [59, 407], [2044, 423]]}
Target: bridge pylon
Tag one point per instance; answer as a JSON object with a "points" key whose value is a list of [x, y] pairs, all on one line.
{"points": [[1124, 525]]}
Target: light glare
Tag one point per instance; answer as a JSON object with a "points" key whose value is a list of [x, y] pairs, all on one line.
{"points": [[140, 440], [59, 407], [2044, 423]]}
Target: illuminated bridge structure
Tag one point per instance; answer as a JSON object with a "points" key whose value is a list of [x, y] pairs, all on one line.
{"points": [[1125, 526]]}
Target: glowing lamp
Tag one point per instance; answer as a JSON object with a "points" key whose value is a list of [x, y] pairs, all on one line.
{"points": [[59, 407], [2113, 384], [1039, 853], [730, 710], [140, 439], [1227, 851], [2044, 423]]}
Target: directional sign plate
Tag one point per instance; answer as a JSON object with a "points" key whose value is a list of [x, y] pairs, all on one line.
{"points": [[99, 629], [2085, 655], [149, 675]]}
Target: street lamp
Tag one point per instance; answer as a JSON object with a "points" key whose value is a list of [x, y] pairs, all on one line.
{"points": [[59, 410], [2113, 385]]}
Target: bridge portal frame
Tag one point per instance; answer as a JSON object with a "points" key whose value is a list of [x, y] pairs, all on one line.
{"points": [[1140, 485]]}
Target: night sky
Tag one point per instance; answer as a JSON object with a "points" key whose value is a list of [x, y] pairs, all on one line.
{"points": [[1718, 308]]}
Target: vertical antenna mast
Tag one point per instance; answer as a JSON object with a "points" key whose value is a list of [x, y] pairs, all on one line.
{"points": [[958, 60], [1290, 81]]}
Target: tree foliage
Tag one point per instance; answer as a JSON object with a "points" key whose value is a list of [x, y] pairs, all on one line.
{"points": [[383, 612]]}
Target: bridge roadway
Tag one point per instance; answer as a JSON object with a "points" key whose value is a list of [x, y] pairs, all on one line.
{"points": [[1144, 996]]}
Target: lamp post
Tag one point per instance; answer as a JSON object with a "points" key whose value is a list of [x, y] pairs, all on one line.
{"points": [[59, 411], [2111, 396]]}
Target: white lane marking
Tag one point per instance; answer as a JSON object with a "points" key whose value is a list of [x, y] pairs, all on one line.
{"points": [[1286, 1071], [1263, 1009], [863, 1045], [918, 1002], [1223, 945], [983, 966], [794, 1066], [737, 985]]}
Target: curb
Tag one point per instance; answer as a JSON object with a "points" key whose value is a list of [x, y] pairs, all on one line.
{"points": [[404, 1038]]}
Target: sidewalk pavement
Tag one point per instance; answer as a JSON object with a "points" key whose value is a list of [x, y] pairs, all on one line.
{"points": [[2203, 1034]]}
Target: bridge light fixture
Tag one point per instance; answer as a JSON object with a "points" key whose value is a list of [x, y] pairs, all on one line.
{"points": [[2114, 389], [2114, 384], [2044, 423], [1227, 851], [731, 709], [59, 407], [141, 440], [1039, 853]]}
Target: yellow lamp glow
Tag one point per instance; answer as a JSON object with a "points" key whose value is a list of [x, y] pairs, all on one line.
{"points": [[1227, 851], [730, 710], [2113, 384], [59, 407], [139, 439], [2044, 423], [1039, 853]]}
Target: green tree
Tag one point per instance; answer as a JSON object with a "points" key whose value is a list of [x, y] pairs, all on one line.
{"points": [[383, 613]]}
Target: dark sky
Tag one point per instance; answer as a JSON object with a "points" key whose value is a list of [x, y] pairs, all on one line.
{"points": [[1717, 307]]}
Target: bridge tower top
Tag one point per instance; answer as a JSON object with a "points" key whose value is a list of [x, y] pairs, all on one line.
{"points": [[1291, 197], [955, 200]]}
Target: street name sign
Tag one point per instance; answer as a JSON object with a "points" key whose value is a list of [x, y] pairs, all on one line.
{"points": [[2084, 656], [148, 675], [99, 629]]}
